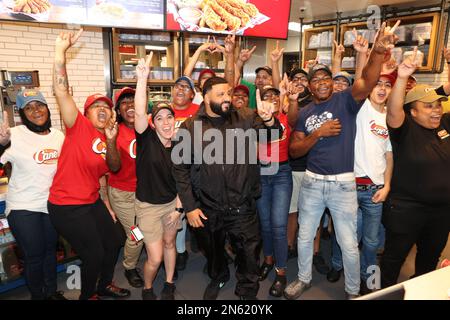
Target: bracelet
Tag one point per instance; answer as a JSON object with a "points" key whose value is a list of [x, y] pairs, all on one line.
{"points": [[271, 118], [180, 210]]}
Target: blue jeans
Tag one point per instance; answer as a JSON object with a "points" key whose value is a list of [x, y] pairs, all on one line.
{"points": [[369, 221], [340, 198], [37, 239], [273, 211]]}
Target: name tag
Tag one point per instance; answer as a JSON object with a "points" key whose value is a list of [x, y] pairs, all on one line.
{"points": [[443, 134]]}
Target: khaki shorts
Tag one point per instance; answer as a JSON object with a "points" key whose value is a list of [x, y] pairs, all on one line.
{"points": [[153, 219], [297, 177]]}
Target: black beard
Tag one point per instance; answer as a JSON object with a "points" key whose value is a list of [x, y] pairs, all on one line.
{"points": [[33, 127], [217, 108]]}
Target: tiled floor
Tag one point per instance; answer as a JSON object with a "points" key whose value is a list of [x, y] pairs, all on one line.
{"points": [[192, 282]]}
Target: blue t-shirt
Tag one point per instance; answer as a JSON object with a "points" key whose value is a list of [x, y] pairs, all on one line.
{"points": [[331, 155]]}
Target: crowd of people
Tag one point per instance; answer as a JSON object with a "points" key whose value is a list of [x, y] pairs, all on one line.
{"points": [[364, 156]]}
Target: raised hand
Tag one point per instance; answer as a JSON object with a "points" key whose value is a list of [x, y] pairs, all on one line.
{"points": [[246, 54], [386, 38], [230, 41], [294, 91], [5, 131], [276, 53], [112, 128], [65, 40], [446, 53], [360, 44], [389, 66], [408, 66], [338, 48], [283, 86], [265, 109], [311, 63], [143, 67]]}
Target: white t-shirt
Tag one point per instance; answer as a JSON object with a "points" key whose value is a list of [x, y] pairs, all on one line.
{"points": [[371, 143], [34, 159]]}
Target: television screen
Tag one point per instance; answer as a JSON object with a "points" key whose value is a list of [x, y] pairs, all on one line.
{"points": [[143, 14], [255, 18]]}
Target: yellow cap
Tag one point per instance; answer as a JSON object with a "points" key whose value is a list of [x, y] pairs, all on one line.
{"points": [[423, 93]]}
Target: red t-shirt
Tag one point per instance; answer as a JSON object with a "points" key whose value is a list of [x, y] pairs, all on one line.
{"points": [[125, 178], [80, 166], [268, 152], [182, 115]]}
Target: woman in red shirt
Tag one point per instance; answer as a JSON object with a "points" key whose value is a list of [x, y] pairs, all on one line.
{"points": [[75, 207]]}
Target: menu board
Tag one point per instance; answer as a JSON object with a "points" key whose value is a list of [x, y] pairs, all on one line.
{"points": [[257, 18], [143, 14]]}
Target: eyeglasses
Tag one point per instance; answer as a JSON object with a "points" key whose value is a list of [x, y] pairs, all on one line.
{"points": [[183, 87], [36, 107], [297, 79]]}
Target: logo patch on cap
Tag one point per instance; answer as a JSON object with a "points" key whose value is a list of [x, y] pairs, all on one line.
{"points": [[30, 93], [443, 134]]}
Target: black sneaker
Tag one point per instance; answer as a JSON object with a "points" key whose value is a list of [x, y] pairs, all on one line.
{"points": [[334, 275], [319, 263], [114, 292], [181, 260], [134, 278], [168, 291], [58, 295], [148, 294], [212, 290]]}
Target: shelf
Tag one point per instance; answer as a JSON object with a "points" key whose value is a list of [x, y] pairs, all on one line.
{"points": [[320, 48], [147, 42]]}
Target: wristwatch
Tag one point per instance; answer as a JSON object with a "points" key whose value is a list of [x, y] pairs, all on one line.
{"points": [[180, 210]]}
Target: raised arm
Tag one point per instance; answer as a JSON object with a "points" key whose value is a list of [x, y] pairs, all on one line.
{"points": [[337, 57], [229, 59], [140, 98], [275, 57], [371, 72], [361, 46], [395, 112], [67, 105], [244, 56], [112, 153], [193, 60], [5, 131], [446, 86]]}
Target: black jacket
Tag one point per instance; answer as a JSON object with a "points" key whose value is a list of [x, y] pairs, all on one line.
{"points": [[218, 186]]}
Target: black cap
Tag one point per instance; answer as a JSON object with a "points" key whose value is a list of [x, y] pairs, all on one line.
{"points": [[316, 68], [265, 68], [269, 88], [159, 106], [296, 71]]}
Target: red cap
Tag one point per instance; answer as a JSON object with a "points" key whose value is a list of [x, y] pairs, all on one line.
{"points": [[94, 98], [243, 88], [205, 71], [391, 76], [121, 92]]}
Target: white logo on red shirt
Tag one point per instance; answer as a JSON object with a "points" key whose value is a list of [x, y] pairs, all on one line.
{"points": [[378, 130], [46, 156], [132, 149], [99, 147]]}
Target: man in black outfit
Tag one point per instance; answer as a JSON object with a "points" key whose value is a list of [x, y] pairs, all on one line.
{"points": [[222, 199]]}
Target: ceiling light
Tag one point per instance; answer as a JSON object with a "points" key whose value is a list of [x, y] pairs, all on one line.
{"points": [[156, 48]]}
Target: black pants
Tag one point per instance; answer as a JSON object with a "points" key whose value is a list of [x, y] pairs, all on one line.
{"points": [[408, 223], [92, 233], [243, 232], [37, 239]]}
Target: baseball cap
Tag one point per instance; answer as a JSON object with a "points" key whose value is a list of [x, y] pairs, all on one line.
{"points": [[242, 88], [206, 71], [26, 96], [160, 106], [265, 68], [269, 88], [188, 80], [121, 92], [94, 98], [391, 76], [316, 68], [297, 71], [347, 76], [424, 93]]}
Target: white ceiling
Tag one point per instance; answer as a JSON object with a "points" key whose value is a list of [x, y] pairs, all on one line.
{"points": [[318, 9]]}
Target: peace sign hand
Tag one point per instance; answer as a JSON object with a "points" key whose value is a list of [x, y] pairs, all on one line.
{"points": [[264, 108], [143, 67]]}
